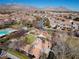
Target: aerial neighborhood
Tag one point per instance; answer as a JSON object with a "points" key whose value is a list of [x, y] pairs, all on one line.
{"points": [[27, 32]]}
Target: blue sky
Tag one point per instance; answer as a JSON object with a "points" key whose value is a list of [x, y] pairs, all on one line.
{"points": [[70, 4]]}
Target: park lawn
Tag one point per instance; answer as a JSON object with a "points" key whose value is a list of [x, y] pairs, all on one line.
{"points": [[18, 54]]}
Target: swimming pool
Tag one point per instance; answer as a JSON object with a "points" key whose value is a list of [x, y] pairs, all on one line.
{"points": [[6, 31]]}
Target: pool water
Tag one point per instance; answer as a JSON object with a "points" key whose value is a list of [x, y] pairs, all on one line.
{"points": [[6, 31]]}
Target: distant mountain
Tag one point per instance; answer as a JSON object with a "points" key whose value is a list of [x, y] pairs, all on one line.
{"points": [[14, 7], [26, 8], [56, 9]]}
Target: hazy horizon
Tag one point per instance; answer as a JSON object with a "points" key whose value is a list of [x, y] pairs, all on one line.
{"points": [[69, 4]]}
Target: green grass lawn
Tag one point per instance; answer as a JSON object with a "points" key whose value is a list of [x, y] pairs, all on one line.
{"points": [[18, 54], [3, 40], [30, 38]]}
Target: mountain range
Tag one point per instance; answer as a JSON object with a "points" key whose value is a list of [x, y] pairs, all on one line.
{"points": [[30, 8]]}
